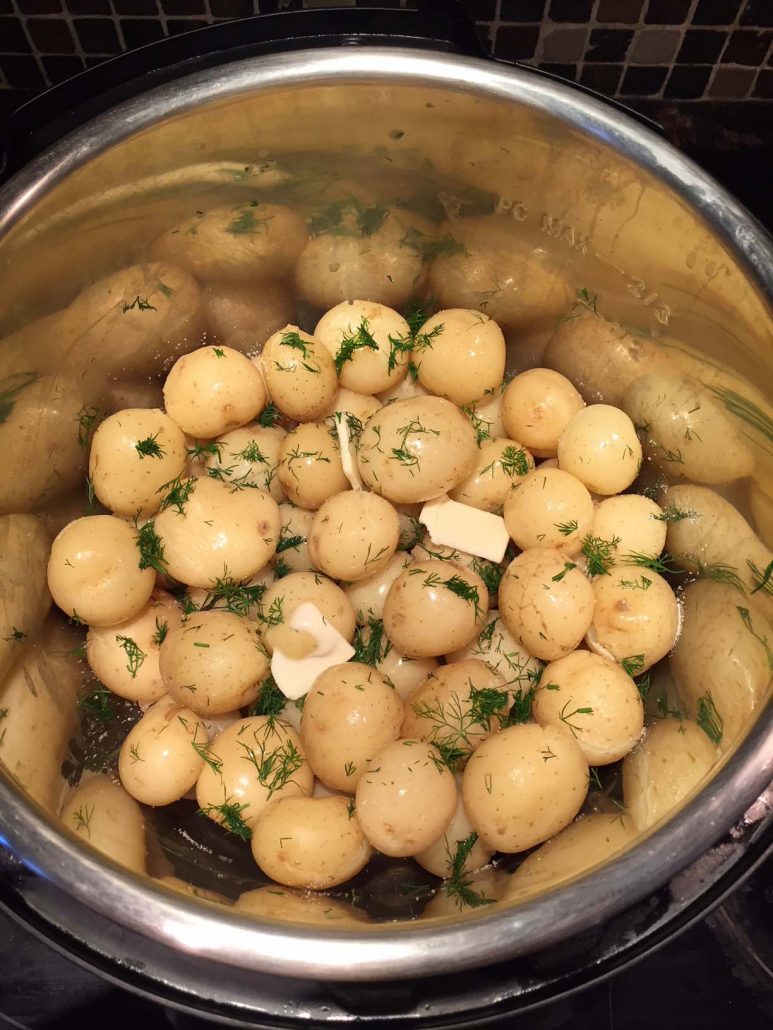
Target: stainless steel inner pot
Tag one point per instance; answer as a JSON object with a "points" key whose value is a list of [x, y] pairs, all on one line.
{"points": [[619, 209]]}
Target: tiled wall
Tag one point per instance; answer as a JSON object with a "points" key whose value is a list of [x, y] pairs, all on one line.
{"points": [[672, 49]]}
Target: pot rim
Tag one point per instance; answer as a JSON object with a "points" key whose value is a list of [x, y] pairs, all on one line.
{"points": [[405, 951]]}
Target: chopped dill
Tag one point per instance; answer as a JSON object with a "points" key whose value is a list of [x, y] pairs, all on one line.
{"points": [[352, 342], [151, 548], [709, 719], [371, 644], [458, 885], [134, 654], [149, 447], [599, 554]]}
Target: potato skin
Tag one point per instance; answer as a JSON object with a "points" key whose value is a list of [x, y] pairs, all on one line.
{"points": [[310, 468], [466, 358], [438, 857], [354, 535], [366, 370], [288, 906], [299, 373], [103, 815], [537, 405], [285, 595], [157, 762], [212, 390], [599, 446], [549, 508], [499, 649], [500, 466]]}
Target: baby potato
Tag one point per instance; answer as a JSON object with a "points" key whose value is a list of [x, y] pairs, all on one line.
{"points": [[600, 447], [438, 857], [293, 547], [368, 596], [582, 846], [134, 453], [537, 406], [600, 357], [595, 701], [310, 468], [686, 431], [251, 764], [416, 450], [285, 595], [212, 390], [498, 648], [523, 785], [633, 524], [501, 464], [457, 707], [460, 355], [546, 603], [248, 457], [24, 596], [285, 906], [208, 531], [349, 715], [103, 815], [125, 658], [358, 335], [665, 769], [488, 412], [636, 618], [244, 317], [94, 571], [42, 454], [405, 798], [361, 405], [235, 244], [432, 609], [213, 663], [359, 251], [310, 842], [721, 663], [549, 508], [158, 763], [300, 374], [354, 535]]}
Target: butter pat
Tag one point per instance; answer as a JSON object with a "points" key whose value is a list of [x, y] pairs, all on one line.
{"points": [[466, 529], [295, 676], [348, 459]]}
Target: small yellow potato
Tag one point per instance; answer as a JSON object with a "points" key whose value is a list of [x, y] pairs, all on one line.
{"points": [[600, 357], [209, 531], [300, 374], [600, 447], [487, 413], [181, 887], [633, 524], [498, 648], [105, 816], [636, 618], [94, 571], [354, 535], [721, 662], [405, 799], [549, 508], [361, 405], [714, 533], [248, 457], [349, 715], [359, 251], [125, 658], [285, 595], [665, 770], [537, 406], [438, 857], [485, 263], [310, 842], [501, 464], [293, 546], [310, 468], [39, 438], [212, 663], [251, 764], [488, 884], [212, 390], [546, 603], [368, 596], [24, 596], [686, 431], [357, 333], [39, 702], [523, 785], [158, 763], [463, 356], [582, 846], [133, 454], [595, 701], [401, 673], [244, 317], [450, 708], [285, 906], [416, 450], [239, 244], [432, 609]]}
